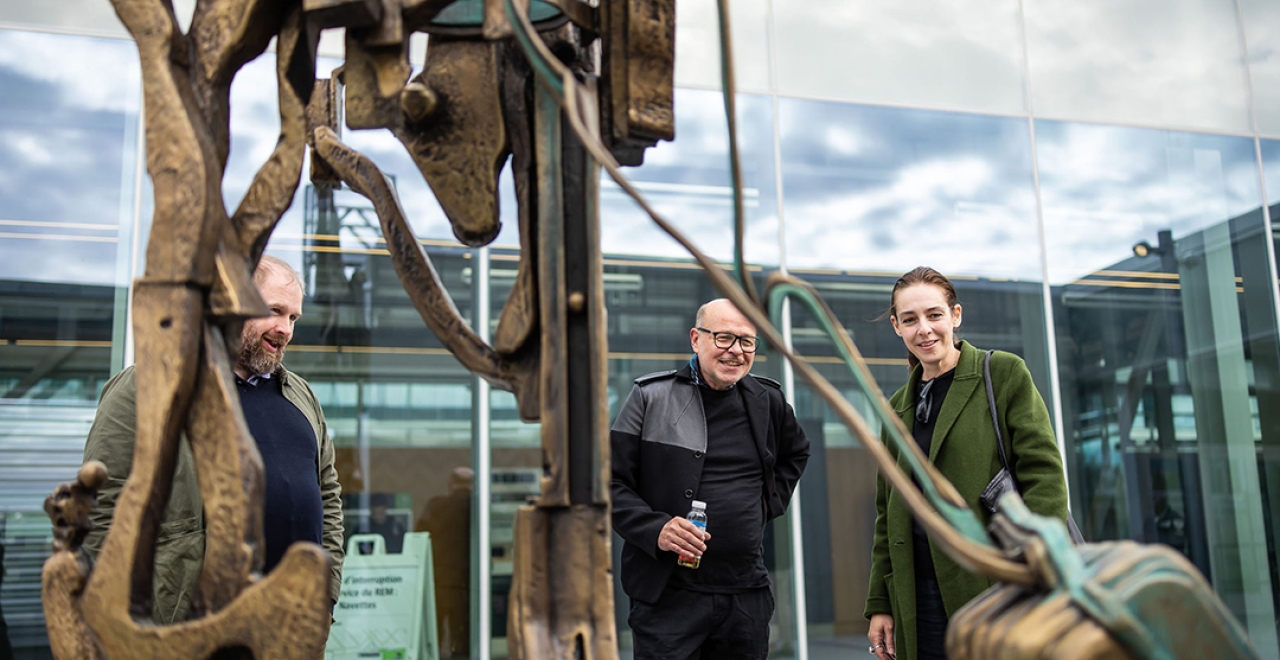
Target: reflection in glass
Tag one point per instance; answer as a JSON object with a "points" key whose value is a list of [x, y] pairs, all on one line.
{"points": [[1164, 304], [68, 121], [964, 55], [1105, 188], [652, 304], [82, 16], [68, 135], [687, 181], [1271, 171], [886, 189], [397, 403], [838, 489], [698, 45], [1134, 62], [1261, 24]]}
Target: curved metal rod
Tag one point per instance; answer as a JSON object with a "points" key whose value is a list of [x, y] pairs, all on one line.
{"points": [[413, 266], [735, 159], [937, 490], [275, 183], [974, 554]]}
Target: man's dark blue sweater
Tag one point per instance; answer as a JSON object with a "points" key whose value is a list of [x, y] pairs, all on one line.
{"points": [[293, 509]]}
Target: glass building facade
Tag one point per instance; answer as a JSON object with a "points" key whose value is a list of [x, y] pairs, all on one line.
{"points": [[1098, 178]]}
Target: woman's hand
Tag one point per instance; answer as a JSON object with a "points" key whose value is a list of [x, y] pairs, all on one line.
{"points": [[881, 637]]}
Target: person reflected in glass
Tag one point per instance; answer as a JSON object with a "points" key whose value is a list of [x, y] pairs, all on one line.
{"points": [[448, 519], [915, 587], [381, 522]]}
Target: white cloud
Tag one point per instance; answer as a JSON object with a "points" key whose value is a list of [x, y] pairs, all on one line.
{"points": [[926, 213], [963, 54], [1134, 62], [91, 74]]}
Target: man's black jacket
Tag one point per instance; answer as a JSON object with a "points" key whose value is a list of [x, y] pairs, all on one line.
{"points": [[658, 442]]}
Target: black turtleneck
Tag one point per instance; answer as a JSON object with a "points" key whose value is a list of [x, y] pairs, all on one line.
{"points": [[923, 434]]}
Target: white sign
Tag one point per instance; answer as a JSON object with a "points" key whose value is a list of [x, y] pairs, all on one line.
{"points": [[387, 607]]}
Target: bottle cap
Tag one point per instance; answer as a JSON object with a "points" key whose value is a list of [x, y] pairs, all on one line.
{"points": [[699, 505]]}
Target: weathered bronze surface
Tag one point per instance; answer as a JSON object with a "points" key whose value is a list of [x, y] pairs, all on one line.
{"points": [[639, 59], [504, 81], [474, 107], [188, 307]]}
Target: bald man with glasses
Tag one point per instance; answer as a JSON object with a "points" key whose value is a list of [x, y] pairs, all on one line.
{"points": [[708, 431]]}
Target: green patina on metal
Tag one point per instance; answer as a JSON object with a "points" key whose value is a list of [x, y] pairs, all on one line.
{"points": [[1135, 611], [470, 13]]}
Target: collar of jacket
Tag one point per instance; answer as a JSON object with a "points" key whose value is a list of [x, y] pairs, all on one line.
{"points": [[757, 412], [749, 384], [967, 379], [967, 368], [283, 374]]}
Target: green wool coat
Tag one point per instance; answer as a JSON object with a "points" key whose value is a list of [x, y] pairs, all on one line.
{"points": [[964, 450]]}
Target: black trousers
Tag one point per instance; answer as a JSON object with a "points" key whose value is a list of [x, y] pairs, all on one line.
{"points": [[689, 625], [931, 621]]}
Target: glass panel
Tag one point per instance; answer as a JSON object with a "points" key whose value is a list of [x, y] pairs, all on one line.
{"points": [[398, 406], [1133, 63], [652, 304], [957, 55], [653, 289], [1165, 313], [68, 144], [838, 489], [1261, 29], [81, 16], [397, 403], [698, 44], [863, 184], [688, 182], [90, 16], [1271, 170]]}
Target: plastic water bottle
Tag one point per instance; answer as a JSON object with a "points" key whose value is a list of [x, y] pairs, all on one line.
{"points": [[697, 516]]}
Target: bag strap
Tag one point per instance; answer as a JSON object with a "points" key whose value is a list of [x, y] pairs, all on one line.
{"points": [[991, 405], [1072, 529]]}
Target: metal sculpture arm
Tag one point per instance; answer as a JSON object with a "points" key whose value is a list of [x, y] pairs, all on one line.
{"points": [[416, 270], [195, 293]]}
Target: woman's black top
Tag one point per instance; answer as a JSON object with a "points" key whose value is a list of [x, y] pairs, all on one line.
{"points": [[934, 393]]}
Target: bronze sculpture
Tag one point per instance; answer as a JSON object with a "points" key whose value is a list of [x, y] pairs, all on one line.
{"points": [[503, 79]]}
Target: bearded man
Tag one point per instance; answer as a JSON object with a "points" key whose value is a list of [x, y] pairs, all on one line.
{"points": [[302, 495]]}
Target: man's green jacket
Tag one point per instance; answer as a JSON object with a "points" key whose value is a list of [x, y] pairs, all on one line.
{"points": [[180, 545]]}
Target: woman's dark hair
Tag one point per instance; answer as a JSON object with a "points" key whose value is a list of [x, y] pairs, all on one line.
{"points": [[921, 275]]}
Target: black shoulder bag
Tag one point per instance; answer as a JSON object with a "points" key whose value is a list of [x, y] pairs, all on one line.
{"points": [[1004, 481]]}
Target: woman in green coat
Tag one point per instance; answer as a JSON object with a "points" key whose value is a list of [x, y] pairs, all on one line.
{"points": [[915, 586]]}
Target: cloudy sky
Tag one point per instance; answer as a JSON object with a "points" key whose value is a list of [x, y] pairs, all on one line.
{"points": [[865, 187], [68, 120], [961, 54]]}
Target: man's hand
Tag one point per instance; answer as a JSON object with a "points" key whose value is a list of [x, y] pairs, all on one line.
{"points": [[881, 636], [683, 538]]}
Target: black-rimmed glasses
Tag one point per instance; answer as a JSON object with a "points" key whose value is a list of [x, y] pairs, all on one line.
{"points": [[925, 402], [725, 340]]}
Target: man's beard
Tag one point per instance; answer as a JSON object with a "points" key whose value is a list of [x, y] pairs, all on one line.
{"points": [[257, 360]]}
